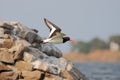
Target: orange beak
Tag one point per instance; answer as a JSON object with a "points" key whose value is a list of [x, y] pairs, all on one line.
{"points": [[72, 41]]}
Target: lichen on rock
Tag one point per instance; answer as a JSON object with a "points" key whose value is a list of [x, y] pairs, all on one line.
{"points": [[22, 57]]}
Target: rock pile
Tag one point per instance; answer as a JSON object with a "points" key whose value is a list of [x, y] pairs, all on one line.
{"points": [[22, 57]]}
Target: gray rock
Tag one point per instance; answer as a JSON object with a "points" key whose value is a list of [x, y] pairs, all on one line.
{"points": [[36, 53], [76, 74], [15, 28], [51, 50], [23, 57]]}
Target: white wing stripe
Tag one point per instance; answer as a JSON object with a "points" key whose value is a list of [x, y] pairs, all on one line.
{"points": [[52, 31]]}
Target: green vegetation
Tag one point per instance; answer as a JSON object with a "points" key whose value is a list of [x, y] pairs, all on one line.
{"points": [[115, 38], [94, 44], [97, 43]]}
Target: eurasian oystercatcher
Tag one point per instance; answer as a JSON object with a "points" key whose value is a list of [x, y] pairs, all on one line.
{"points": [[55, 36]]}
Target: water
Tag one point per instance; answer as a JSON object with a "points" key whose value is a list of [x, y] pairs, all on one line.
{"points": [[100, 71]]}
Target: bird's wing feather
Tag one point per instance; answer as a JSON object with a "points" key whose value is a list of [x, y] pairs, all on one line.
{"points": [[58, 35], [52, 32], [53, 28]]}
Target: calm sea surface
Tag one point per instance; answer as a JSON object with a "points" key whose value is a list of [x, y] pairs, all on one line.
{"points": [[100, 71]]}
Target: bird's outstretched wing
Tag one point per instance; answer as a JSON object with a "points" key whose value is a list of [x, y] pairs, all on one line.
{"points": [[53, 28]]}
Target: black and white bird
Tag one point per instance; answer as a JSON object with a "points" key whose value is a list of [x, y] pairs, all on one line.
{"points": [[55, 36]]}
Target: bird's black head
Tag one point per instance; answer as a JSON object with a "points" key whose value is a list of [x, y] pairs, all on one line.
{"points": [[65, 39]]}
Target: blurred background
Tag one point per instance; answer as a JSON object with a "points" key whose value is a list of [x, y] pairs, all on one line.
{"points": [[94, 24]]}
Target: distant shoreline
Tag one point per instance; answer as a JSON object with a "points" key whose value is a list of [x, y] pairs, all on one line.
{"points": [[105, 56]]}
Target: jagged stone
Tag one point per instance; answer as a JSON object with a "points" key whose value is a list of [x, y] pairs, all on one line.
{"points": [[10, 55], [21, 31], [76, 74], [43, 67], [36, 53], [17, 50], [63, 62], [54, 65], [6, 56], [6, 43], [52, 77], [22, 57], [1, 32], [8, 76], [23, 66], [4, 68], [27, 57], [69, 66], [36, 64], [31, 75], [66, 75], [51, 50], [51, 65]]}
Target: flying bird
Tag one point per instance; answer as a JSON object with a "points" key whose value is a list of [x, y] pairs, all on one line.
{"points": [[55, 35]]}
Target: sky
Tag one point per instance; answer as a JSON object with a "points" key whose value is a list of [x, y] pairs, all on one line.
{"points": [[79, 19]]}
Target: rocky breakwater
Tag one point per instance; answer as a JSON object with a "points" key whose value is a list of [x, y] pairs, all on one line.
{"points": [[22, 57]]}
